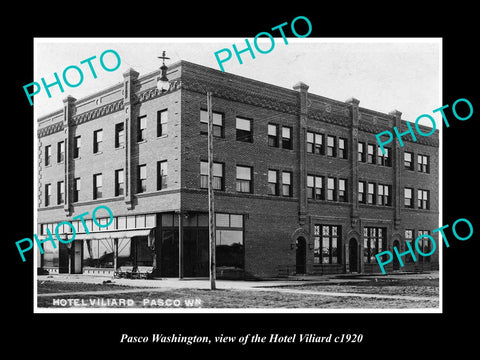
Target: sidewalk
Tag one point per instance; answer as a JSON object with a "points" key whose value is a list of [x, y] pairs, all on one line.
{"points": [[159, 285]]}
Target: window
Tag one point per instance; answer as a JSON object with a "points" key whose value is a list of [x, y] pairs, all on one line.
{"points": [[272, 182], [326, 242], [244, 179], [424, 245], [162, 175], [408, 160], [315, 143], [244, 130], [60, 192], [217, 175], [383, 159], [217, 123], [342, 148], [371, 194], [370, 154], [76, 189], [97, 186], [76, 147], [422, 197], [423, 163], [372, 243], [119, 182], [331, 148], [97, 141], [331, 191], [286, 137], [409, 239], [48, 194], [383, 195], [141, 128], [287, 183], [48, 155], [361, 192], [273, 135], [315, 187], [60, 152], [342, 190], [229, 239], [162, 122], [142, 178], [119, 135], [408, 197], [361, 152]]}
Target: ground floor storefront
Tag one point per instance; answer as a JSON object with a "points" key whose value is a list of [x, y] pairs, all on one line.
{"points": [[176, 244], [152, 245]]}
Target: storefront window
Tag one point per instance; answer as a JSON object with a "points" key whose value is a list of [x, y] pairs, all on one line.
{"points": [[143, 252], [222, 220], [50, 255], [98, 253], [121, 222], [229, 250], [124, 253], [130, 222], [229, 240]]}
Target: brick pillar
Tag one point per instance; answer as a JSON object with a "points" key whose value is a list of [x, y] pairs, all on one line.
{"points": [[68, 112], [353, 186], [302, 89], [129, 77], [397, 164]]}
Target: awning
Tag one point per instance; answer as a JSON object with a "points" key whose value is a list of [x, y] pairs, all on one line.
{"points": [[99, 235]]}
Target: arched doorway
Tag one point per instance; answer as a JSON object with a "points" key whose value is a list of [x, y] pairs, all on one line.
{"points": [[353, 255], [301, 255], [396, 264]]}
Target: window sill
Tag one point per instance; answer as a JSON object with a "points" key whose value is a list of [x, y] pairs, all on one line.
{"points": [[120, 147], [98, 153], [328, 202], [214, 136], [377, 206], [142, 141], [162, 136]]}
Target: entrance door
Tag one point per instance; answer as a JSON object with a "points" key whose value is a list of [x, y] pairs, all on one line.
{"points": [[353, 255], [169, 253], [77, 257], [195, 253], [63, 258], [396, 264], [301, 256]]}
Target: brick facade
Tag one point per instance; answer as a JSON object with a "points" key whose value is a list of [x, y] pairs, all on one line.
{"points": [[272, 224]]}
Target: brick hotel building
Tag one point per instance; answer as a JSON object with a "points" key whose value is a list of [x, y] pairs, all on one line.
{"points": [[301, 186]]}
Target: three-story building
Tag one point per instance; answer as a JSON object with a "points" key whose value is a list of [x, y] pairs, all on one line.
{"points": [[300, 183]]}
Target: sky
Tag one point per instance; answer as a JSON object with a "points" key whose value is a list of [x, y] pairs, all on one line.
{"points": [[384, 74]]}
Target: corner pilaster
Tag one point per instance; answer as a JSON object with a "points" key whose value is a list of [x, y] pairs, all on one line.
{"points": [[68, 112], [397, 168], [302, 89], [353, 186], [129, 78]]}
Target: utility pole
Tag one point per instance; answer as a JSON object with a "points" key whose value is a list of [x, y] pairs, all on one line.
{"points": [[211, 208]]}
